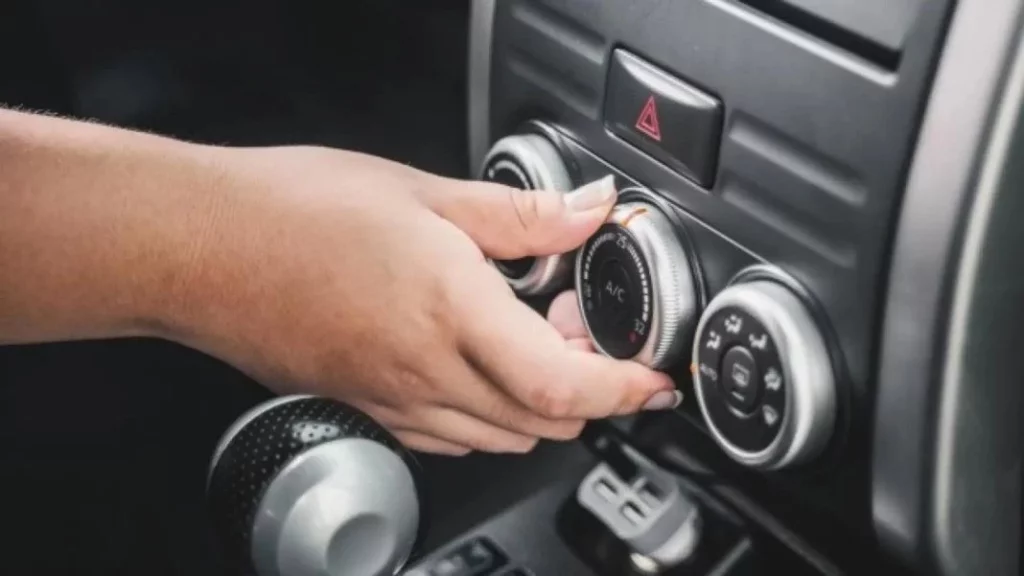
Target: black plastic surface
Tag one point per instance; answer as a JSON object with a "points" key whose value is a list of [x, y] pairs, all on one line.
{"points": [[527, 530], [948, 433], [885, 22], [873, 29], [671, 120]]}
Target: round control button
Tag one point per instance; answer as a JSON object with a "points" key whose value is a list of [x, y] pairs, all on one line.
{"points": [[740, 380], [763, 376], [530, 162], [636, 288], [617, 314], [509, 173]]}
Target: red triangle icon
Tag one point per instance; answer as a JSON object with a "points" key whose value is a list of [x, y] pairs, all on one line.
{"points": [[648, 120]]}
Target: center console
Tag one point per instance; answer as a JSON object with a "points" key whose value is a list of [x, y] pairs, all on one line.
{"points": [[798, 183]]}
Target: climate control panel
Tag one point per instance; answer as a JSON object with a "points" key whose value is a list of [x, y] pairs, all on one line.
{"points": [[762, 370], [763, 376], [638, 294]]}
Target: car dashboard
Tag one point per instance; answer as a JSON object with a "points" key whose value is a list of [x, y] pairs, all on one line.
{"points": [[856, 156], [816, 236]]}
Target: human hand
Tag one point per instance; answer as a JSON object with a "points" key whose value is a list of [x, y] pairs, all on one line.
{"points": [[353, 277]]}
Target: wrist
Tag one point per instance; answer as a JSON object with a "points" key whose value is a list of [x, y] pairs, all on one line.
{"points": [[183, 222]]}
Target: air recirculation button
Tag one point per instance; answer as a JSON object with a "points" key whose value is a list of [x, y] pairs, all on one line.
{"points": [[637, 291]]}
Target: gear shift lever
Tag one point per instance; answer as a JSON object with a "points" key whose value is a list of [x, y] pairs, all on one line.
{"points": [[305, 486]]}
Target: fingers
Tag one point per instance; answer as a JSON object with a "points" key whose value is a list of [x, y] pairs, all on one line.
{"points": [[423, 443], [460, 429], [491, 404], [532, 362], [507, 222], [581, 344], [439, 429], [564, 315]]}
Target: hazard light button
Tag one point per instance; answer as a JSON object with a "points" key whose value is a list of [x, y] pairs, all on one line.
{"points": [[665, 117]]}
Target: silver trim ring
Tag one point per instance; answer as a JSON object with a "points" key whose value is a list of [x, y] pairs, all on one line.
{"points": [[810, 414], [243, 421], [539, 165], [674, 301]]}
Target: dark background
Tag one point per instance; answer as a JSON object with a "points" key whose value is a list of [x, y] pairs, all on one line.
{"points": [[104, 445]]}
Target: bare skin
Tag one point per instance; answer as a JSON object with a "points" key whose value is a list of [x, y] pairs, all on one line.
{"points": [[313, 270]]}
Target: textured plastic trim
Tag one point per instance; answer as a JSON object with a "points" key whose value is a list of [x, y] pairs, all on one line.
{"points": [[481, 31], [946, 458]]}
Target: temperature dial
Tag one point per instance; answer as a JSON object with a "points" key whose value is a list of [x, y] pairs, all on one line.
{"points": [[530, 161], [637, 291], [763, 376]]}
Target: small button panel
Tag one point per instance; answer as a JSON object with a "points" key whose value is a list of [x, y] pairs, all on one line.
{"points": [[763, 375], [477, 557], [734, 358]]}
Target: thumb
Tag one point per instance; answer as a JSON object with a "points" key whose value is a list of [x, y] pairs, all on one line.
{"points": [[507, 222]]}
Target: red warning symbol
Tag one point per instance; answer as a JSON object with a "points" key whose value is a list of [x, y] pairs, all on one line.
{"points": [[648, 120]]}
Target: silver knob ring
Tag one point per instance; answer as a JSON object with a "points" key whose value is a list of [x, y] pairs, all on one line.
{"points": [[810, 403], [536, 162], [671, 291]]}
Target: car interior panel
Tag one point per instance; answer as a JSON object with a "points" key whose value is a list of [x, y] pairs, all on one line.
{"points": [[816, 236]]}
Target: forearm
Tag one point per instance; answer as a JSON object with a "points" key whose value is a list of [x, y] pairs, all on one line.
{"points": [[99, 227]]}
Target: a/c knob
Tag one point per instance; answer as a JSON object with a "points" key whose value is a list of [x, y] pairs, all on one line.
{"points": [[637, 292]]}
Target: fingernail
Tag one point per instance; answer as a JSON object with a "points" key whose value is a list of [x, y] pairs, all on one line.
{"points": [[665, 400], [597, 193]]}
